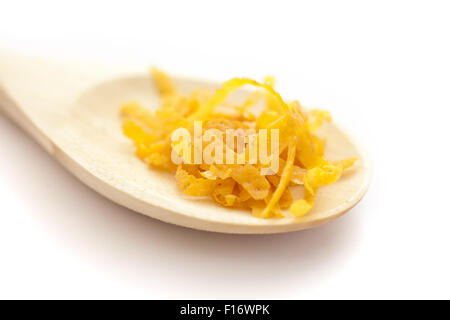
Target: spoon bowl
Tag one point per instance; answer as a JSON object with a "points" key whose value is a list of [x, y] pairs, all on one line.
{"points": [[72, 110]]}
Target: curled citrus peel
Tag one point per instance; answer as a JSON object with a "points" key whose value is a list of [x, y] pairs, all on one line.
{"points": [[301, 160]]}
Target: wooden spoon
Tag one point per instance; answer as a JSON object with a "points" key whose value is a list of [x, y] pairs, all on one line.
{"points": [[72, 111]]}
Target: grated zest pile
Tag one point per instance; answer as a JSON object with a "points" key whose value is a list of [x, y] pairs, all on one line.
{"points": [[301, 152]]}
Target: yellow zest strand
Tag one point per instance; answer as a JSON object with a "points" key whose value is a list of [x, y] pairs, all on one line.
{"points": [[323, 175], [229, 86], [285, 178], [163, 83]]}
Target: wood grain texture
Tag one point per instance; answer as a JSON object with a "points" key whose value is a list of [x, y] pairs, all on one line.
{"points": [[72, 110]]}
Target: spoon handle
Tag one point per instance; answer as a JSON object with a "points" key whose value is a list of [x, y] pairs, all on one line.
{"points": [[11, 71], [7, 105]]}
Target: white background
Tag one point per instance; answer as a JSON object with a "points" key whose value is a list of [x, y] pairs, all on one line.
{"points": [[381, 67]]}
